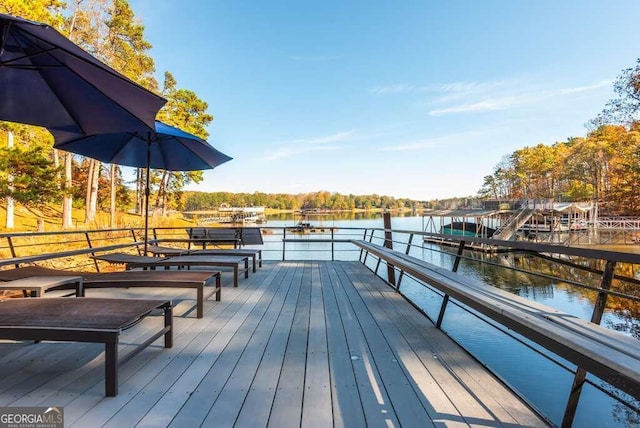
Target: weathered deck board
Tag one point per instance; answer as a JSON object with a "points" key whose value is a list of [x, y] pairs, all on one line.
{"points": [[286, 410], [409, 407], [257, 404], [346, 402], [376, 403], [228, 404], [457, 373], [296, 344], [433, 378], [316, 405]]}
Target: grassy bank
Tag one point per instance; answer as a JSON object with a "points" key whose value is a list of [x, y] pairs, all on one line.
{"points": [[27, 219]]}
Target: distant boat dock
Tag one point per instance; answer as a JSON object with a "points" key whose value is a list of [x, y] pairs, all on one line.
{"points": [[568, 223], [234, 215]]}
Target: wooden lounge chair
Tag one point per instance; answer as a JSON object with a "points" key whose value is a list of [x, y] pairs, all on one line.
{"points": [[133, 261], [255, 254], [83, 320], [171, 279]]}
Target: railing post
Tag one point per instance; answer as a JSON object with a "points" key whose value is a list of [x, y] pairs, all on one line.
{"points": [[407, 253], [409, 244], [135, 239], [284, 237], [364, 238], [388, 243], [13, 250], [456, 262], [332, 255], [445, 299], [95, 262], [596, 317]]}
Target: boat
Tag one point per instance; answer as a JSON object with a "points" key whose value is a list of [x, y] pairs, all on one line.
{"points": [[305, 226], [461, 228]]}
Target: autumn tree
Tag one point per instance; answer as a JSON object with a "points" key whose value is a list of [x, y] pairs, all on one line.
{"points": [[186, 111], [109, 30], [625, 107]]}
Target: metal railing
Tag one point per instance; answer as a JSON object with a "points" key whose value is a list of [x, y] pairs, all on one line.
{"points": [[69, 250]]}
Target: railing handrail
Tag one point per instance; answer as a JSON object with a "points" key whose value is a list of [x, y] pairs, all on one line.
{"points": [[60, 254]]}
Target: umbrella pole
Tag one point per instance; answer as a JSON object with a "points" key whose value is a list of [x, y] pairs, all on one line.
{"points": [[146, 197]]}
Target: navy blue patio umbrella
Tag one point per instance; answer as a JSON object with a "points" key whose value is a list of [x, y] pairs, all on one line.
{"points": [[47, 80], [164, 147]]}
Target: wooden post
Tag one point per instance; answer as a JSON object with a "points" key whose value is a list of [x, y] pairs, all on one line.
{"points": [[388, 243], [581, 374]]}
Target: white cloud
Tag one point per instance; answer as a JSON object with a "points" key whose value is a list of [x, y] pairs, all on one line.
{"points": [[295, 151], [315, 58], [447, 140], [393, 89], [485, 105], [305, 145], [586, 88], [502, 95], [476, 96], [340, 136]]}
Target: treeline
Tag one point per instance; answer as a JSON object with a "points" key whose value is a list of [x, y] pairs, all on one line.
{"points": [[201, 201], [603, 166], [32, 173]]}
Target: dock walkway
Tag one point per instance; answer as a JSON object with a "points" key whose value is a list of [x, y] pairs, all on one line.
{"points": [[296, 344]]}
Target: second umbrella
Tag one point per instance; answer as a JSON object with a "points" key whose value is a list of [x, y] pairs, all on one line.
{"points": [[166, 147]]}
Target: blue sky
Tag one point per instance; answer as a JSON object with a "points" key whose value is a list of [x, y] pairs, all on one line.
{"points": [[405, 98]]}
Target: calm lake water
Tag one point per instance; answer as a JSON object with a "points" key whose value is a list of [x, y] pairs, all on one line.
{"points": [[539, 376]]}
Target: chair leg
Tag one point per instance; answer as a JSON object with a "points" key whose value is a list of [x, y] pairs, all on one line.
{"points": [[111, 369]]}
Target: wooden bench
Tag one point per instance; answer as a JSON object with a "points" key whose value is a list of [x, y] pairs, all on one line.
{"points": [[612, 356], [83, 319]]}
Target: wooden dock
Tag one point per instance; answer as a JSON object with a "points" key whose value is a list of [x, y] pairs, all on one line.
{"points": [[297, 344]]}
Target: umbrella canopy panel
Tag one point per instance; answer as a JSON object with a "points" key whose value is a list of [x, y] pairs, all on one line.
{"points": [[47, 80], [167, 147]]}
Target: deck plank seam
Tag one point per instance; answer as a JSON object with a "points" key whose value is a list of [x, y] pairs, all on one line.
{"points": [[404, 397], [176, 351], [259, 398], [491, 385], [340, 359], [439, 373], [266, 314], [373, 392]]}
